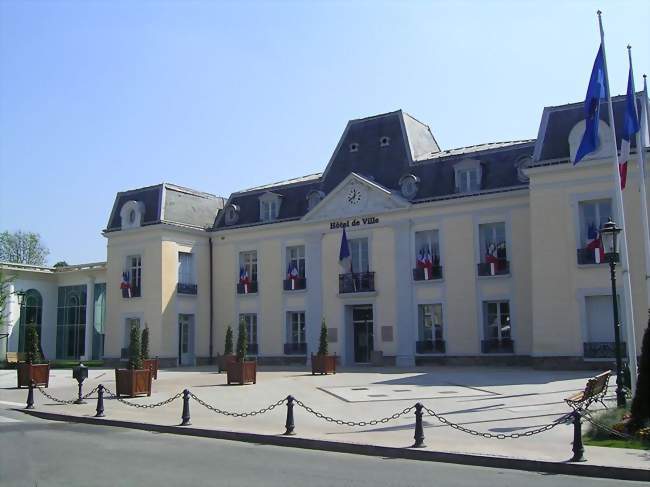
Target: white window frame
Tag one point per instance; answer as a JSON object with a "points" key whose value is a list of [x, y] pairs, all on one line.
{"points": [[300, 323], [296, 254], [598, 203], [135, 271], [357, 254], [493, 236], [500, 332], [186, 273], [269, 206], [421, 317], [251, 323], [432, 238], [462, 176], [248, 260]]}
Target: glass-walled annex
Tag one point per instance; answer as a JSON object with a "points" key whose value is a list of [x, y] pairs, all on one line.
{"points": [[71, 322]]}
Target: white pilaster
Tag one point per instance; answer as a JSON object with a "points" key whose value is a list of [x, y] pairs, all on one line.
{"points": [[90, 317], [403, 295]]}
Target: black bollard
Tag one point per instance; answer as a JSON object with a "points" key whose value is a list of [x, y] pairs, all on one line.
{"points": [[185, 417], [30, 396], [578, 449], [80, 398], [100, 402], [419, 430], [290, 426]]}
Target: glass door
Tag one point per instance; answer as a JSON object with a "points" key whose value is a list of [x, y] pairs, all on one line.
{"points": [[363, 333], [186, 339]]}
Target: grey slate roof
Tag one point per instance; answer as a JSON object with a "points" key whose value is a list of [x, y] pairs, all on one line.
{"points": [[169, 203]]}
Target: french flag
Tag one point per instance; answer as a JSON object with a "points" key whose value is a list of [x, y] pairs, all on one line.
{"points": [[293, 274], [630, 128], [244, 279], [595, 243], [125, 286]]}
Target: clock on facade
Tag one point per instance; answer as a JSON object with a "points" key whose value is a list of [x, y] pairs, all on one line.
{"points": [[354, 195]]}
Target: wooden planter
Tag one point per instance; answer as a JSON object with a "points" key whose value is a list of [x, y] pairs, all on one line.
{"points": [[224, 360], [152, 364], [323, 364], [132, 382], [242, 372], [39, 373]]}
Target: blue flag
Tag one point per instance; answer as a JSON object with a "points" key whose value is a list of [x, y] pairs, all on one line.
{"points": [[344, 253], [630, 128], [596, 91]]}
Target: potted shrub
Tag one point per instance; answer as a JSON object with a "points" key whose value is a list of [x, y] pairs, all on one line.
{"points": [[33, 369], [322, 363], [228, 356], [148, 363], [640, 410], [242, 371], [134, 380]]}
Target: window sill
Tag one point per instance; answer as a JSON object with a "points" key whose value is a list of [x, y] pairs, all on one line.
{"points": [[497, 276], [592, 266], [131, 298], [429, 354], [420, 282], [295, 291], [360, 294]]}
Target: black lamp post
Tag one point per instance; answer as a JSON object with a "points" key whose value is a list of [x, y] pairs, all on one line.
{"points": [[20, 297], [609, 234]]}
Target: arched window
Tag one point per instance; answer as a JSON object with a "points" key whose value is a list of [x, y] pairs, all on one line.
{"points": [[31, 314], [71, 322]]}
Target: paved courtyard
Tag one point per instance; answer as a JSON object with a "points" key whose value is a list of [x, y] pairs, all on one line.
{"points": [[487, 399]]}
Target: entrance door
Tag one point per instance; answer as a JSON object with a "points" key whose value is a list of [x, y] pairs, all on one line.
{"points": [[186, 339], [363, 335]]}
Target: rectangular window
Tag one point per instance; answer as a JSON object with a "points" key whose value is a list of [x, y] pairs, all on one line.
{"points": [[492, 239], [98, 325], [269, 210], [71, 322], [427, 248], [296, 327], [251, 326], [248, 263], [497, 320], [296, 260], [186, 268], [467, 180], [359, 254], [430, 322], [593, 214], [134, 269]]}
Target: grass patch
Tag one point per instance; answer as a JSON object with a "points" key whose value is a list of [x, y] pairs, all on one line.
{"points": [[611, 443], [598, 437]]}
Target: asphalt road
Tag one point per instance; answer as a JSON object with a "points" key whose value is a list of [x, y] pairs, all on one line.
{"points": [[41, 453]]}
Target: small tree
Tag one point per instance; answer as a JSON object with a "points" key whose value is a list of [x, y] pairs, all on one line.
{"points": [[227, 349], [322, 346], [145, 343], [32, 346], [135, 351], [22, 248], [242, 341], [640, 410]]}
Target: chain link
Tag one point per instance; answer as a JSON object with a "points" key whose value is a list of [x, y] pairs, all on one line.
{"points": [[235, 414], [587, 415], [143, 406], [55, 399], [341, 422], [500, 436]]}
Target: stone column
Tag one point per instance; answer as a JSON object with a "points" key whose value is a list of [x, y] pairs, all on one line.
{"points": [[313, 273], [7, 321], [404, 295], [90, 317]]}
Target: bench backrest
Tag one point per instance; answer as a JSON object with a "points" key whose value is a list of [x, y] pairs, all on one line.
{"points": [[597, 385], [14, 357]]}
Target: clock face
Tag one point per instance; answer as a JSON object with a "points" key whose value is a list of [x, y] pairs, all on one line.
{"points": [[354, 195]]}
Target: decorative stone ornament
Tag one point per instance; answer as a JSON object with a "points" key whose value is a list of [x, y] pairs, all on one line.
{"points": [[409, 186], [132, 214], [355, 194], [232, 214]]}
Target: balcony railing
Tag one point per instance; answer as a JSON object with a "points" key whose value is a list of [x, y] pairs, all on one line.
{"points": [[494, 345], [133, 292], [252, 349], [356, 282], [430, 346], [588, 256], [295, 349], [298, 284], [185, 288], [498, 268], [602, 349], [434, 273], [250, 288]]}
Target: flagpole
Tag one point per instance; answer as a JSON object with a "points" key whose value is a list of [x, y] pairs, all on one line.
{"points": [[640, 148], [627, 285]]}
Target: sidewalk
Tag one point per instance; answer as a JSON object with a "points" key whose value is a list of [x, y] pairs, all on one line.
{"points": [[492, 400]]}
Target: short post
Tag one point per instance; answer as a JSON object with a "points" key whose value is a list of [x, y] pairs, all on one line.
{"points": [[185, 417], [578, 448], [419, 430], [30, 396], [100, 402], [289, 425]]}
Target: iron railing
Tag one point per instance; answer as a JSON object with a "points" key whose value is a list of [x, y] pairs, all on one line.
{"points": [[495, 345], [501, 267], [295, 349], [185, 288], [299, 283], [430, 346], [252, 288], [434, 273], [356, 282], [602, 349]]}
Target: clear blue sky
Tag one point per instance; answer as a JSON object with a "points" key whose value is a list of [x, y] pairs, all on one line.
{"points": [[99, 97]]}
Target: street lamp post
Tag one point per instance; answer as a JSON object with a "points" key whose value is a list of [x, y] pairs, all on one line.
{"points": [[609, 235]]}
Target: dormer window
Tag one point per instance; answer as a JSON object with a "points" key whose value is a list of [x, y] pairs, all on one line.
{"points": [[132, 214], [354, 147], [468, 176], [384, 141], [409, 186], [313, 198], [269, 206], [232, 214]]}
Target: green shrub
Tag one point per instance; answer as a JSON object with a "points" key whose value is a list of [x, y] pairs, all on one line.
{"points": [[227, 349], [322, 345], [145, 343], [640, 409], [242, 341], [135, 351], [32, 346]]}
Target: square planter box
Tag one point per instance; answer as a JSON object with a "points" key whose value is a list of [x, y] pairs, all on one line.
{"points": [[39, 373], [152, 364], [323, 364], [133, 382], [242, 372], [224, 360]]}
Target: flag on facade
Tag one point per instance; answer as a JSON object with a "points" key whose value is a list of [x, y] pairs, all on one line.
{"points": [[244, 280], [345, 258], [491, 257], [630, 128], [596, 91], [125, 285], [292, 275], [595, 243]]}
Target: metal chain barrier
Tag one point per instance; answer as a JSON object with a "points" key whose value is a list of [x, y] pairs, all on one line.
{"points": [[588, 416], [62, 401], [501, 436], [341, 422], [235, 414], [142, 406]]}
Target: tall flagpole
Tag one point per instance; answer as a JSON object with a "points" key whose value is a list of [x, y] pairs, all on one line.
{"points": [[627, 285], [640, 149]]}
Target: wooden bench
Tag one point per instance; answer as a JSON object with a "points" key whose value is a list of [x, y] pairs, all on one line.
{"points": [[15, 357], [594, 391]]}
